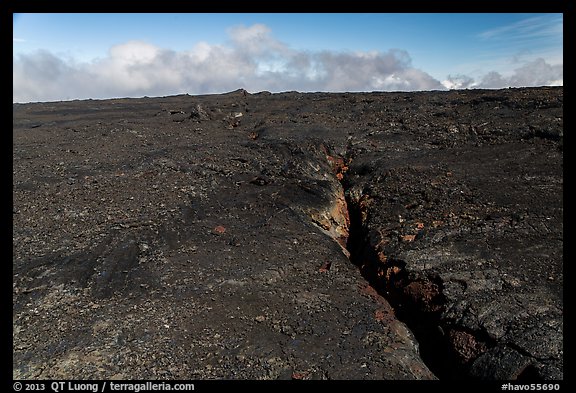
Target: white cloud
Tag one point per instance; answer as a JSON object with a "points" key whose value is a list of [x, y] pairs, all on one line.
{"points": [[134, 52], [537, 72], [256, 40], [252, 59], [458, 82]]}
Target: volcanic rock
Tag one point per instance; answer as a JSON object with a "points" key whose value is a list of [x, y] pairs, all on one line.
{"points": [[289, 236]]}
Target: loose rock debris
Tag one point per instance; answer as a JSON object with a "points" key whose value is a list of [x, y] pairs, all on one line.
{"points": [[448, 203]]}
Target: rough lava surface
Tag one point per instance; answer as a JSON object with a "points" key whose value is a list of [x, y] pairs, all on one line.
{"points": [[290, 236]]}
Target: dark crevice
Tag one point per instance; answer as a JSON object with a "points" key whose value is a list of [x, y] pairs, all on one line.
{"points": [[448, 350], [418, 302], [425, 326], [529, 374]]}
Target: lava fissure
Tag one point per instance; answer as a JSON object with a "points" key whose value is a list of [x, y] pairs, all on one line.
{"points": [[418, 303]]}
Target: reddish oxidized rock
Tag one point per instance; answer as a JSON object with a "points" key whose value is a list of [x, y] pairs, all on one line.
{"points": [[219, 229]]}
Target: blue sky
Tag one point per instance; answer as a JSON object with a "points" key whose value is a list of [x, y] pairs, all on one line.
{"points": [[57, 56]]}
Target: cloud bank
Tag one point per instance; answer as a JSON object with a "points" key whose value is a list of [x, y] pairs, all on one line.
{"points": [[533, 73], [252, 59]]}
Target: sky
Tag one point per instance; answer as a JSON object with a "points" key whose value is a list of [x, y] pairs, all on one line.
{"points": [[80, 56]]}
